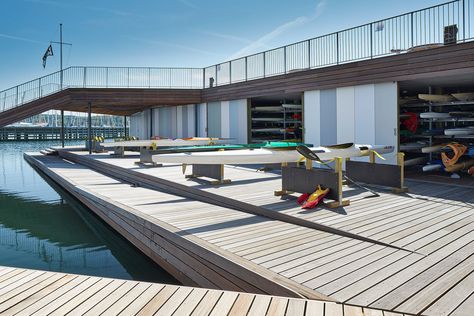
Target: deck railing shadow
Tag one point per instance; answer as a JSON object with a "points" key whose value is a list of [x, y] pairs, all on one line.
{"points": [[253, 219]]}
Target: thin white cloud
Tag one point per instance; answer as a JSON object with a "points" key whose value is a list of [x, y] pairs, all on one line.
{"points": [[228, 37], [17, 38], [264, 41], [178, 46]]}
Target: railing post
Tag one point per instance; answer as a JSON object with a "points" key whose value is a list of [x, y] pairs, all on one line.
{"points": [[17, 96], [337, 48], [463, 20], [411, 28], [309, 54], [216, 76], [106, 77], [149, 77], [264, 65], [371, 42], [128, 77], [84, 79], [284, 59], [39, 88], [230, 72], [203, 78], [246, 71]]}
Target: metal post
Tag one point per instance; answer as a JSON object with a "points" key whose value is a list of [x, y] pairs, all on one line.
{"points": [[411, 26], [17, 100], [264, 65], [89, 126], [203, 78], [371, 42], [125, 125], [61, 55], [62, 128], [463, 20], [151, 123], [246, 71], [39, 88], [337, 48], [309, 54], [230, 72], [284, 58], [216, 77]]}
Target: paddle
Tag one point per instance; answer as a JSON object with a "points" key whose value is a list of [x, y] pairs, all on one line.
{"points": [[309, 154]]}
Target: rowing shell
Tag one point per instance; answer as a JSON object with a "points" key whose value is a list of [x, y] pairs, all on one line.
{"points": [[197, 141], [268, 155]]}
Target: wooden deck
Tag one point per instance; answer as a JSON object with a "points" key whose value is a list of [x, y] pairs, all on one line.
{"points": [[33, 292], [434, 226]]}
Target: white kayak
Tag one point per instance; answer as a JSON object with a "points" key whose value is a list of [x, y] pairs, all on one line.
{"points": [[267, 108], [168, 142], [292, 106], [459, 131], [269, 155], [434, 115]]}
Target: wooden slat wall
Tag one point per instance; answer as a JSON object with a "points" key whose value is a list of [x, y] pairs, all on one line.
{"points": [[443, 61], [449, 60]]}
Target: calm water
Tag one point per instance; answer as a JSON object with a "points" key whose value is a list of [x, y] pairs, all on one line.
{"points": [[43, 227]]}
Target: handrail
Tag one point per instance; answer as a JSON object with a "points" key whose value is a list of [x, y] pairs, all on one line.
{"points": [[390, 36]]}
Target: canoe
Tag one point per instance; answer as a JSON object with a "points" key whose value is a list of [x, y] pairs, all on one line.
{"points": [[168, 142], [412, 146], [436, 97], [292, 106], [432, 149], [459, 131], [466, 96], [269, 155], [267, 108], [267, 119], [434, 115], [432, 167]]}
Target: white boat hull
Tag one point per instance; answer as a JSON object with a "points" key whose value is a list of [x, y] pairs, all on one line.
{"points": [[266, 155], [168, 142]]}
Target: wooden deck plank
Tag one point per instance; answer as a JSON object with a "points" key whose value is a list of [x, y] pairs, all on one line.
{"points": [[158, 300], [447, 303]]}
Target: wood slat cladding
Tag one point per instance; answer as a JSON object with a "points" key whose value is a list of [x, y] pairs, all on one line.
{"points": [[442, 61], [437, 62]]}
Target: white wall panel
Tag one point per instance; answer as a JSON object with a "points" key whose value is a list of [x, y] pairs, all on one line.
{"points": [[179, 121], [345, 115], [386, 113], [238, 122], [225, 119], [191, 121], [312, 117], [202, 120]]}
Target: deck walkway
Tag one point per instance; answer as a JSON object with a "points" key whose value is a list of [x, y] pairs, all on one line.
{"points": [[436, 279], [33, 292]]}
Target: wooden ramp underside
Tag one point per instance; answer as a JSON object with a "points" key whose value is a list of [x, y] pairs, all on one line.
{"points": [[435, 222]]}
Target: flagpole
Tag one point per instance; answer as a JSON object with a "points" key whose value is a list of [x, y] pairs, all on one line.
{"points": [[61, 78]]}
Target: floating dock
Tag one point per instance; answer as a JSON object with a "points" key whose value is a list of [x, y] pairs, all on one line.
{"points": [[408, 253]]}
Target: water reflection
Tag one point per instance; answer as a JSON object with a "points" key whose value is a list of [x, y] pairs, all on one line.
{"points": [[43, 227]]}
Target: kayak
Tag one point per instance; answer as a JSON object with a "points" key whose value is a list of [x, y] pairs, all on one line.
{"points": [[459, 131], [434, 115], [270, 155], [168, 142], [436, 97]]}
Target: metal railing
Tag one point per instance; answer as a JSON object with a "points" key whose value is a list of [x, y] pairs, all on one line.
{"points": [[385, 37], [101, 77]]}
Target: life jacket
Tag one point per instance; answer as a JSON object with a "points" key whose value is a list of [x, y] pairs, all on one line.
{"points": [[458, 151]]}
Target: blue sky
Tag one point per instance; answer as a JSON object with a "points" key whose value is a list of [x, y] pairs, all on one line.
{"points": [[185, 33]]}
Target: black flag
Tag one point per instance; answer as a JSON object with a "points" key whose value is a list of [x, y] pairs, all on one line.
{"points": [[49, 52]]}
